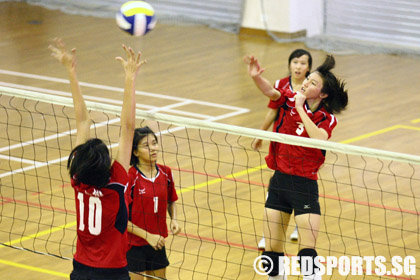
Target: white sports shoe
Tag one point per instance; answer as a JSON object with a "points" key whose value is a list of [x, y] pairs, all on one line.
{"points": [[261, 244], [294, 235]]}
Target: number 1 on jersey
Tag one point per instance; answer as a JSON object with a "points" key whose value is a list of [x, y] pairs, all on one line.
{"points": [[155, 204]]}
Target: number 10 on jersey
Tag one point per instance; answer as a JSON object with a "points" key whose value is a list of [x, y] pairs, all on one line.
{"points": [[94, 215]]}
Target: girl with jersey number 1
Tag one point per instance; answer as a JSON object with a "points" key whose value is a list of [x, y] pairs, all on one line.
{"points": [[300, 65], [99, 186], [293, 187], [151, 195]]}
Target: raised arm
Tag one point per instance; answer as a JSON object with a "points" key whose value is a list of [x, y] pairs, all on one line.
{"points": [[131, 67], [68, 59], [268, 120], [255, 71]]}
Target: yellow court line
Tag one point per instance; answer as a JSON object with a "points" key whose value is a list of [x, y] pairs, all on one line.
{"points": [[217, 180], [193, 187], [367, 135], [254, 169], [207, 183], [37, 269], [214, 181], [247, 171], [40, 233], [410, 127], [381, 131]]}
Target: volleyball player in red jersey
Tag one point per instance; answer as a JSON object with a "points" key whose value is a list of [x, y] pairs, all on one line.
{"points": [[151, 195], [308, 112], [99, 186], [300, 65]]}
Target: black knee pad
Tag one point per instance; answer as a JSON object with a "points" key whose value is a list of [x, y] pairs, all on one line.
{"points": [[274, 256], [308, 255]]}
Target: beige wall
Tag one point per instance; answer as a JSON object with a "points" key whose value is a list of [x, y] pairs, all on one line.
{"points": [[287, 16]]}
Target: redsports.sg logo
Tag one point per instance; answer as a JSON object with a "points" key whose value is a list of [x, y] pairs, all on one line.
{"points": [[354, 265]]}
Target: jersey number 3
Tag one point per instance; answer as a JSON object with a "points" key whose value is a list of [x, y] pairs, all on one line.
{"points": [[300, 128], [95, 214]]}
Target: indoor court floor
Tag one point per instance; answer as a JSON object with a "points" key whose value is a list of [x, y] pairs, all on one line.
{"points": [[196, 72]]}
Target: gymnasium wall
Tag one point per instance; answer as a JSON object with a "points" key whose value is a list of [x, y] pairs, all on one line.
{"points": [[222, 14], [285, 16], [382, 21], [390, 24]]}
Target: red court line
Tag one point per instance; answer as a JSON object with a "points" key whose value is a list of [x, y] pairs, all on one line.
{"points": [[23, 202], [242, 246], [218, 176], [237, 245], [373, 205], [42, 192], [37, 193]]}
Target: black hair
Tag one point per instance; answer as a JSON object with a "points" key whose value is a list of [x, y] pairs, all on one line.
{"points": [[298, 53], [337, 98], [139, 134], [90, 163]]}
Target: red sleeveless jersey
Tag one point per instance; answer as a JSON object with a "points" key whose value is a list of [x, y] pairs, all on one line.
{"points": [[102, 221]]}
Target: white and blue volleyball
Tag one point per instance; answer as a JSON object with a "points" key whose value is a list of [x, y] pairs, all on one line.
{"points": [[136, 18]]}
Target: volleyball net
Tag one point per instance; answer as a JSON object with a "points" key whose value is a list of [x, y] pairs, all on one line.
{"points": [[370, 199]]}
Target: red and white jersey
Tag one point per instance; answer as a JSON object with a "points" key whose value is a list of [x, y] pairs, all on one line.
{"points": [[297, 160], [102, 221], [283, 84], [148, 202]]}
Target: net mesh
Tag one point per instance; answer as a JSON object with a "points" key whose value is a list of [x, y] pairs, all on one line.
{"points": [[369, 199]]}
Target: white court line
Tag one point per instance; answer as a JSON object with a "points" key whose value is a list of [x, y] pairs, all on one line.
{"points": [[65, 133], [186, 102], [112, 101], [110, 146], [227, 115], [150, 94], [168, 108], [42, 164], [55, 136], [27, 161]]}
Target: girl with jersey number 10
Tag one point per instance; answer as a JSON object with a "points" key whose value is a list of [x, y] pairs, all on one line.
{"points": [[308, 112], [100, 185]]}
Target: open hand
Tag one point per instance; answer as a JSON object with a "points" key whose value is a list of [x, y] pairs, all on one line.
{"points": [[133, 62], [254, 68], [59, 51]]}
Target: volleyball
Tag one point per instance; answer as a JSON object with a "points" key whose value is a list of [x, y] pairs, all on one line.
{"points": [[136, 18]]}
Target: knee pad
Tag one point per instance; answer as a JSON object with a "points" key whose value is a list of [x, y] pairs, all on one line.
{"points": [[306, 261], [275, 260]]}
